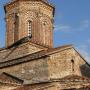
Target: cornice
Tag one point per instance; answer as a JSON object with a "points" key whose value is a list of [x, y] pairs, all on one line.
{"points": [[13, 1]]}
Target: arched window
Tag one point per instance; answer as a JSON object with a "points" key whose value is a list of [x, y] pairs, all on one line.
{"points": [[72, 61], [16, 28], [30, 28]]}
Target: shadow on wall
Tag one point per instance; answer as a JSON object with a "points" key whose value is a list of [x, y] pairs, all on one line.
{"points": [[85, 70]]}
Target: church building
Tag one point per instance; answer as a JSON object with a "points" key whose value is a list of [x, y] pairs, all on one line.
{"points": [[29, 61]]}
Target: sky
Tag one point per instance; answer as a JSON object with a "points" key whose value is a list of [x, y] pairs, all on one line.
{"points": [[71, 25]]}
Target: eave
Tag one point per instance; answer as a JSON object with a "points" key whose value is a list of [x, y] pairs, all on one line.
{"points": [[13, 1]]}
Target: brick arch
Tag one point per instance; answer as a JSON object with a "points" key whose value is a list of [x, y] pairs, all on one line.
{"points": [[35, 25], [46, 29], [36, 30], [45, 18], [25, 17]]}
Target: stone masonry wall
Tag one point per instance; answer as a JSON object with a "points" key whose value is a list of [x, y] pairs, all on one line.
{"points": [[32, 72], [61, 65], [20, 51], [55, 66]]}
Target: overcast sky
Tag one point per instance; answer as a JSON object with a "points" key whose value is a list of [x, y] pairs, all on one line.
{"points": [[72, 24]]}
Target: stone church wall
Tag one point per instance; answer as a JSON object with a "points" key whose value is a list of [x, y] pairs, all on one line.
{"points": [[18, 51], [57, 65], [82, 65], [33, 71], [61, 65]]}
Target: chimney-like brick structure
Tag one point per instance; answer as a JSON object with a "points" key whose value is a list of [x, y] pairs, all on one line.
{"points": [[29, 17]]}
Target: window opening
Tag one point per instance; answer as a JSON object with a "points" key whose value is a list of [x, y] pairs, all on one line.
{"points": [[29, 28]]}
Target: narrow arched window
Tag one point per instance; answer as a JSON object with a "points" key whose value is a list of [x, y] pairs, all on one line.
{"points": [[72, 61], [16, 28], [29, 28]]}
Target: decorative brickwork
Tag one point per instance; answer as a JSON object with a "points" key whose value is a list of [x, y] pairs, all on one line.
{"points": [[29, 61], [20, 12]]}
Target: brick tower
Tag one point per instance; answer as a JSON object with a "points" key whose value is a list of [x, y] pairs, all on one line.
{"points": [[30, 62], [29, 18]]}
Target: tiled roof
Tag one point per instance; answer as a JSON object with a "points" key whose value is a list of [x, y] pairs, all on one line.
{"points": [[6, 78]]}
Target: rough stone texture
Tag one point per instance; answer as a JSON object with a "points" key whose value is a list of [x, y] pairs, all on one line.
{"points": [[7, 87], [19, 51], [56, 65], [56, 86], [60, 64], [43, 86], [31, 72]]}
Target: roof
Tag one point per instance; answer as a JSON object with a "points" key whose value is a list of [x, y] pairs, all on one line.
{"points": [[6, 78], [44, 1], [2, 49], [75, 81], [20, 50], [44, 52], [33, 56], [25, 40], [9, 79], [39, 54], [70, 79], [75, 78]]}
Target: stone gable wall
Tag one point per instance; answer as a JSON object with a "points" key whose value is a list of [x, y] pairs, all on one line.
{"points": [[17, 52], [61, 65]]}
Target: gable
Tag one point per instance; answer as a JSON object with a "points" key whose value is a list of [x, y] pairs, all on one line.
{"points": [[66, 61], [19, 51], [81, 64], [6, 78]]}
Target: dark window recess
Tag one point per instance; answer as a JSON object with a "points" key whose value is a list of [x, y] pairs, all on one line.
{"points": [[72, 61], [16, 28]]}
